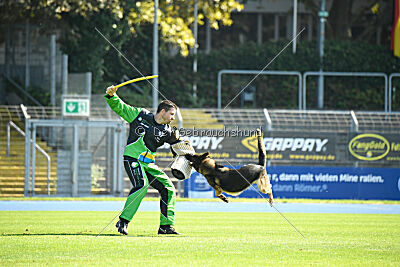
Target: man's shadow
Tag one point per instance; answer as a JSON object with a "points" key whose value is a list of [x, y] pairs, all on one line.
{"points": [[58, 234], [85, 234]]}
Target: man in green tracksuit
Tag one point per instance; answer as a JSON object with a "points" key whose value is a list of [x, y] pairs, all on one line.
{"points": [[147, 132]]}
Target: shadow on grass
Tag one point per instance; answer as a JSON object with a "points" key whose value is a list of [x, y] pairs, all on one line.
{"points": [[60, 234], [87, 234]]}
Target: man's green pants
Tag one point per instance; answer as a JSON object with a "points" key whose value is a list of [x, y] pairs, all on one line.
{"points": [[142, 175]]}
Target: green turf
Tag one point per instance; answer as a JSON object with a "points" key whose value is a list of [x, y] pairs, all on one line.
{"points": [[210, 239], [280, 200]]}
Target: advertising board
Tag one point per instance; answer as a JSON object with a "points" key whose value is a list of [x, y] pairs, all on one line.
{"points": [[318, 182]]}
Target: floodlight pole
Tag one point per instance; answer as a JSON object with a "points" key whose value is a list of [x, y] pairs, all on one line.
{"points": [[27, 56], [155, 56], [195, 27], [294, 26], [322, 17], [53, 70]]}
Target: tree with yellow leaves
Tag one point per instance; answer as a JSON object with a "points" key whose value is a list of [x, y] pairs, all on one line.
{"points": [[175, 17]]}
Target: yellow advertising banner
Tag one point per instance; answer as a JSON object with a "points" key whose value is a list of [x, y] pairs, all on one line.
{"points": [[374, 147]]}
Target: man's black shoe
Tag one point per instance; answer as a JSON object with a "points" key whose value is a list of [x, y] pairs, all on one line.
{"points": [[167, 230], [122, 227]]}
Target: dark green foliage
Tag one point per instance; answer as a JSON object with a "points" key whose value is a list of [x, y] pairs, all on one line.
{"points": [[90, 52], [87, 49], [282, 92]]}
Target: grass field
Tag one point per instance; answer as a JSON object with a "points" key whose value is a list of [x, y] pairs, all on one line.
{"points": [[209, 239], [278, 200]]}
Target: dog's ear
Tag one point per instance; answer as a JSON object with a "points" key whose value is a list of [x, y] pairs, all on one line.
{"points": [[190, 158], [205, 155]]}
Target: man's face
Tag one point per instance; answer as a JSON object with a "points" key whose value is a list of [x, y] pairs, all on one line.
{"points": [[168, 116]]}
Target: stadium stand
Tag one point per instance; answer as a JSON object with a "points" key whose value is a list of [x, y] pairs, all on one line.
{"points": [[244, 118], [338, 123], [12, 168], [199, 119]]}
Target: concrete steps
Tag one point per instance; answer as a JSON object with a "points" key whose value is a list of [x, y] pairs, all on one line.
{"points": [[198, 119], [40, 186], [19, 191], [19, 146], [20, 172], [12, 168]]}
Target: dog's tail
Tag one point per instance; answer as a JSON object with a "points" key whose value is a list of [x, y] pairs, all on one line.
{"points": [[262, 155]]}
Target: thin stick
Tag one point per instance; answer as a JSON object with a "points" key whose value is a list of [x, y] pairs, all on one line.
{"points": [[136, 80]]}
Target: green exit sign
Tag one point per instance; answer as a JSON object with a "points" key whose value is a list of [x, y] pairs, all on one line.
{"points": [[76, 107], [323, 14]]}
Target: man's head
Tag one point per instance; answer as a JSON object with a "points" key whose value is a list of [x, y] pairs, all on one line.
{"points": [[166, 112]]}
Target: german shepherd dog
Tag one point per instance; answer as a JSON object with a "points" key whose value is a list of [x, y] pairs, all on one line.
{"points": [[232, 181]]}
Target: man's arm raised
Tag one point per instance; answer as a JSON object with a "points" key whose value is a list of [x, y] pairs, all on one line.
{"points": [[124, 110], [111, 90]]}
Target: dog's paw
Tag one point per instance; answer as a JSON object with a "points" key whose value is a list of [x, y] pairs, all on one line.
{"points": [[223, 198], [270, 199]]}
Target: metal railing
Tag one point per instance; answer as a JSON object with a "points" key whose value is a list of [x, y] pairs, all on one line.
{"points": [[21, 90], [310, 120], [303, 82], [268, 119], [355, 123], [12, 124], [8, 113], [379, 121], [279, 119]]}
